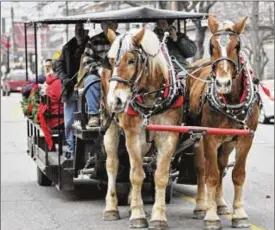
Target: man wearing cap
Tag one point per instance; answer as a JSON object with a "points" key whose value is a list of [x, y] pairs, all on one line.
{"points": [[178, 44], [67, 68], [94, 56]]}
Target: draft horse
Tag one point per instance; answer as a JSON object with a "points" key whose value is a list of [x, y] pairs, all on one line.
{"points": [[228, 99], [140, 87]]}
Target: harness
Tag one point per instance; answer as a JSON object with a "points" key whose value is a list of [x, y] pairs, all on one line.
{"points": [[250, 96], [168, 96], [237, 112], [223, 35]]}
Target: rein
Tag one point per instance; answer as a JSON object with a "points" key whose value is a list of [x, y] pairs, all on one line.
{"points": [[237, 112], [224, 43], [162, 103]]}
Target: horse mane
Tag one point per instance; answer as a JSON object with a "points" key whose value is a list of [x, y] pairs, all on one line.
{"points": [[149, 43]]}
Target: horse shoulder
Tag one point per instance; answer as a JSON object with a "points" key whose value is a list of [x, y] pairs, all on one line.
{"points": [[198, 88]]}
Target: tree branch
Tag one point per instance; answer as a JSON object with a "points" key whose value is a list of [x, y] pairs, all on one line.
{"points": [[265, 61], [209, 5], [134, 4]]}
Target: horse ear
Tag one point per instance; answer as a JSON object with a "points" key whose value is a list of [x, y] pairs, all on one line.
{"points": [[111, 35], [239, 25], [138, 37], [213, 24]]}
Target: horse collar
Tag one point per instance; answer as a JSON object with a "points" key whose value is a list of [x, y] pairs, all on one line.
{"points": [[238, 112]]}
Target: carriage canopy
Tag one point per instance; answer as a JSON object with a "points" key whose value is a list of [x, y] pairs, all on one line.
{"points": [[133, 14]]}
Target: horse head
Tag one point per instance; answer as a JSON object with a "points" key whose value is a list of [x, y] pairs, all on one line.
{"points": [[224, 49], [135, 60]]}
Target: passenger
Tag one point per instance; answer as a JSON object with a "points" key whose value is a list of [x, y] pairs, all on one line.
{"points": [[52, 89], [48, 69], [94, 56], [67, 68], [178, 44]]}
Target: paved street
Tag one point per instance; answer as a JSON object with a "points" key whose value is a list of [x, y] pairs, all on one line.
{"points": [[27, 206]]}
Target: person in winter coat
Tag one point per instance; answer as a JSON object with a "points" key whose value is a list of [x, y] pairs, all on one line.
{"points": [[178, 44], [47, 123], [48, 68], [67, 68], [94, 57]]}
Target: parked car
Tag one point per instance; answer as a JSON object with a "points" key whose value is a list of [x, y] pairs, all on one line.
{"points": [[267, 110], [15, 81]]}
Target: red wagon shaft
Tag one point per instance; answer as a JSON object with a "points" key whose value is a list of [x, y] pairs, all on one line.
{"points": [[210, 131]]}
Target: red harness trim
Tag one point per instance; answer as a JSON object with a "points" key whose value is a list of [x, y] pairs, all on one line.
{"points": [[267, 92], [245, 81], [130, 111]]}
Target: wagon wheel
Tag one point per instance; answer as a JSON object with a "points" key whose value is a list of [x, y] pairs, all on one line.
{"points": [[168, 192]]}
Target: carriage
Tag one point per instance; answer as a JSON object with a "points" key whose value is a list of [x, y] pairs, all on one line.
{"points": [[89, 158]]}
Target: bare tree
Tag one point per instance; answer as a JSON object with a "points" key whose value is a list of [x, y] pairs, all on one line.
{"points": [[261, 30], [258, 31], [200, 7]]}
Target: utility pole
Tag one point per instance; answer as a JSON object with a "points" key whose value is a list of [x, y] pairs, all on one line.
{"points": [[8, 54], [39, 47], [67, 26], [3, 25], [13, 34]]}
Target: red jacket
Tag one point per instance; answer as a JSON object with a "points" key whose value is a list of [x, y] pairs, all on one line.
{"points": [[53, 91]]}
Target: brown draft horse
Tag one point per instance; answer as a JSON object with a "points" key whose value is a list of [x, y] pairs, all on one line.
{"points": [[138, 66], [229, 100]]}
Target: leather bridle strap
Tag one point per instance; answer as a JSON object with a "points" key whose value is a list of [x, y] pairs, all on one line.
{"points": [[236, 66]]}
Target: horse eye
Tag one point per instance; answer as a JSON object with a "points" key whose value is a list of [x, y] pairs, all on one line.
{"points": [[131, 62]]}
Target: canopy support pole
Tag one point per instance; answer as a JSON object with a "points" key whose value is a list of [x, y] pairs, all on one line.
{"points": [[26, 52], [35, 50]]}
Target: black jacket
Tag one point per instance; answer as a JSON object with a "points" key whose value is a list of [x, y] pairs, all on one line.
{"points": [[68, 65], [182, 49]]}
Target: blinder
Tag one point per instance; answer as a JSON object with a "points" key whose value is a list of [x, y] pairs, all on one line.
{"points": [[235, 64], [141, 59]]}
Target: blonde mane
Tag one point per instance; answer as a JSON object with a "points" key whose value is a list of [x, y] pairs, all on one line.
{"points": [[149, 43]]}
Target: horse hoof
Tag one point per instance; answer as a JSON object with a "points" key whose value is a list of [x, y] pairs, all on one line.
{"points": [[212, 225], [240, 223], [223, 210], [111, 215], [199, 214], [158, 225], [139, 223]]}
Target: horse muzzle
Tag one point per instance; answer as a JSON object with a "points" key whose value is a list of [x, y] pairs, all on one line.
{"points": [[223, 85], [117, 105]]}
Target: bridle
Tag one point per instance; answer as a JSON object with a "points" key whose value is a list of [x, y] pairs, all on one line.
{"points": [[146, 111], [236, 65], [237, 112], [141, 59]]}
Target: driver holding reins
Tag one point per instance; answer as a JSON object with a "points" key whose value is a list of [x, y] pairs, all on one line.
{"points": [[178, 44]]}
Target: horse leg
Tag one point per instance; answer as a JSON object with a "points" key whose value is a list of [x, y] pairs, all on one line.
{"points": [[138, 217], [200, 209], [223, 155], [111, 141], [166, 148], [239, 217], [211, 219]]}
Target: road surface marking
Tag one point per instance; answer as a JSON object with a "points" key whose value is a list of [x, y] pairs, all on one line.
{"points": [[193, 201]]}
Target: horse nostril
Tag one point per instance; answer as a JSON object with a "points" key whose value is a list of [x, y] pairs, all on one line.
{"points": [[228, 83], [118, 102], [218, 83]]}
